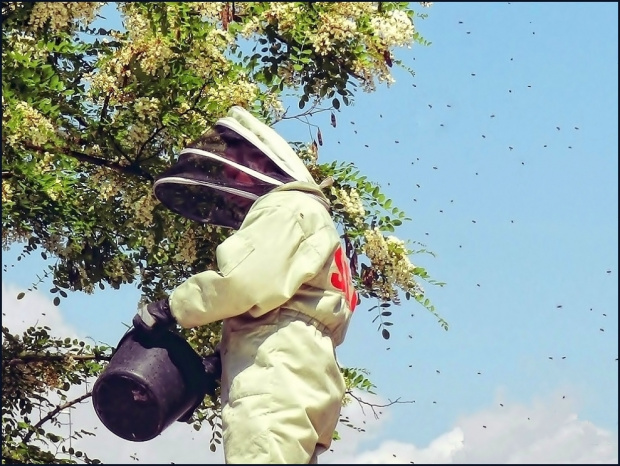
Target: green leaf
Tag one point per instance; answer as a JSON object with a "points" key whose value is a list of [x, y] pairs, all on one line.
{"points": [[336, 103], [21, 295], [53, 437], [56, 301]]}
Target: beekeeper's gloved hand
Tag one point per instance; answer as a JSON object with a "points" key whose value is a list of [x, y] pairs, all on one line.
{"points": [[213, 364], [213, 370], [154, 317]]}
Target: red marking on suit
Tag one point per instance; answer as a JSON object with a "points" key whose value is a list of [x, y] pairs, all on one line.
{"points": [[342, 279]]}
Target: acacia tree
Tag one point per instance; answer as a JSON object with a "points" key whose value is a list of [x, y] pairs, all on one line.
{"points": [[91, 115]]}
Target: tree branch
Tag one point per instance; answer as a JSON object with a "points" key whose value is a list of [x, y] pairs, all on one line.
{"points": [[27, 358], [53, 413], [150, 139], [373, 405], [313, 110], [126, 169]]}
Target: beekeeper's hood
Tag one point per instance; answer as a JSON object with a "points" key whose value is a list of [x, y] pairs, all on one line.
{"points": [[219, 176]]}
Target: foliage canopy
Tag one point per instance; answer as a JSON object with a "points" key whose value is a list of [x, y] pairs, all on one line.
{"points": [[91, 115]]}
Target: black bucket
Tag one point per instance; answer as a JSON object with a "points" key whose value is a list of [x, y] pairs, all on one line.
{"points": [[150, 382]]}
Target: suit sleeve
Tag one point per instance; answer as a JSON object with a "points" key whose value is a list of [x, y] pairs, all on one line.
{"points": [[261, 267]]}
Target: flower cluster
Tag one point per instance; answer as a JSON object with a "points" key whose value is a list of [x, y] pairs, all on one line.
{"points": [[24, 45], [389, 256], [12, 6], [206, 58], [187, 252], [45, 163], [146, 107], [143, 209], [137, 134], [284, 14], [115, 268], [105, 182], [153, 54], [54, 191], [46, 374], [308, 154], [7, 191], [253, 26], [103, 81], [86, 284], [208, 10], [33, 127], [393, 29], [352, 204], [61, 15], [273, 103], [241, 92], [332, 28]]}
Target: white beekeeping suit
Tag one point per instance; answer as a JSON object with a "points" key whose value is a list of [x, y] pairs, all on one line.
{"points": [[282, 288]]}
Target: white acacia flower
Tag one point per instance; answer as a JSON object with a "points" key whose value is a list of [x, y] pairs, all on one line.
{"points": [[62, 15], [389, 256], [33, 127], [352, 203], [393, 28]]}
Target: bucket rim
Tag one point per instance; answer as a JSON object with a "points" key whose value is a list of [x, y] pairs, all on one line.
{"points": [[159, 428]]}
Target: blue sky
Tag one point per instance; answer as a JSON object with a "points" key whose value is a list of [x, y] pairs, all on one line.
{"points": [[545, 235]]}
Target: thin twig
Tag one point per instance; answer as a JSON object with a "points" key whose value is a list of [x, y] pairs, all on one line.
{"points": [[373, 405]]}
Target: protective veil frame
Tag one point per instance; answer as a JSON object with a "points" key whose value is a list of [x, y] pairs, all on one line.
{"points": [[196, 187]]}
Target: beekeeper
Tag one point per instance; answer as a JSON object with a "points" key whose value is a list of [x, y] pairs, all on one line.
{"points": [[283, 289]]}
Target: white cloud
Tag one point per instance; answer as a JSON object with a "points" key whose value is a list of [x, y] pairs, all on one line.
{"points": [[360, 416], [546, 432], [179, 443], [33, 309]]}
